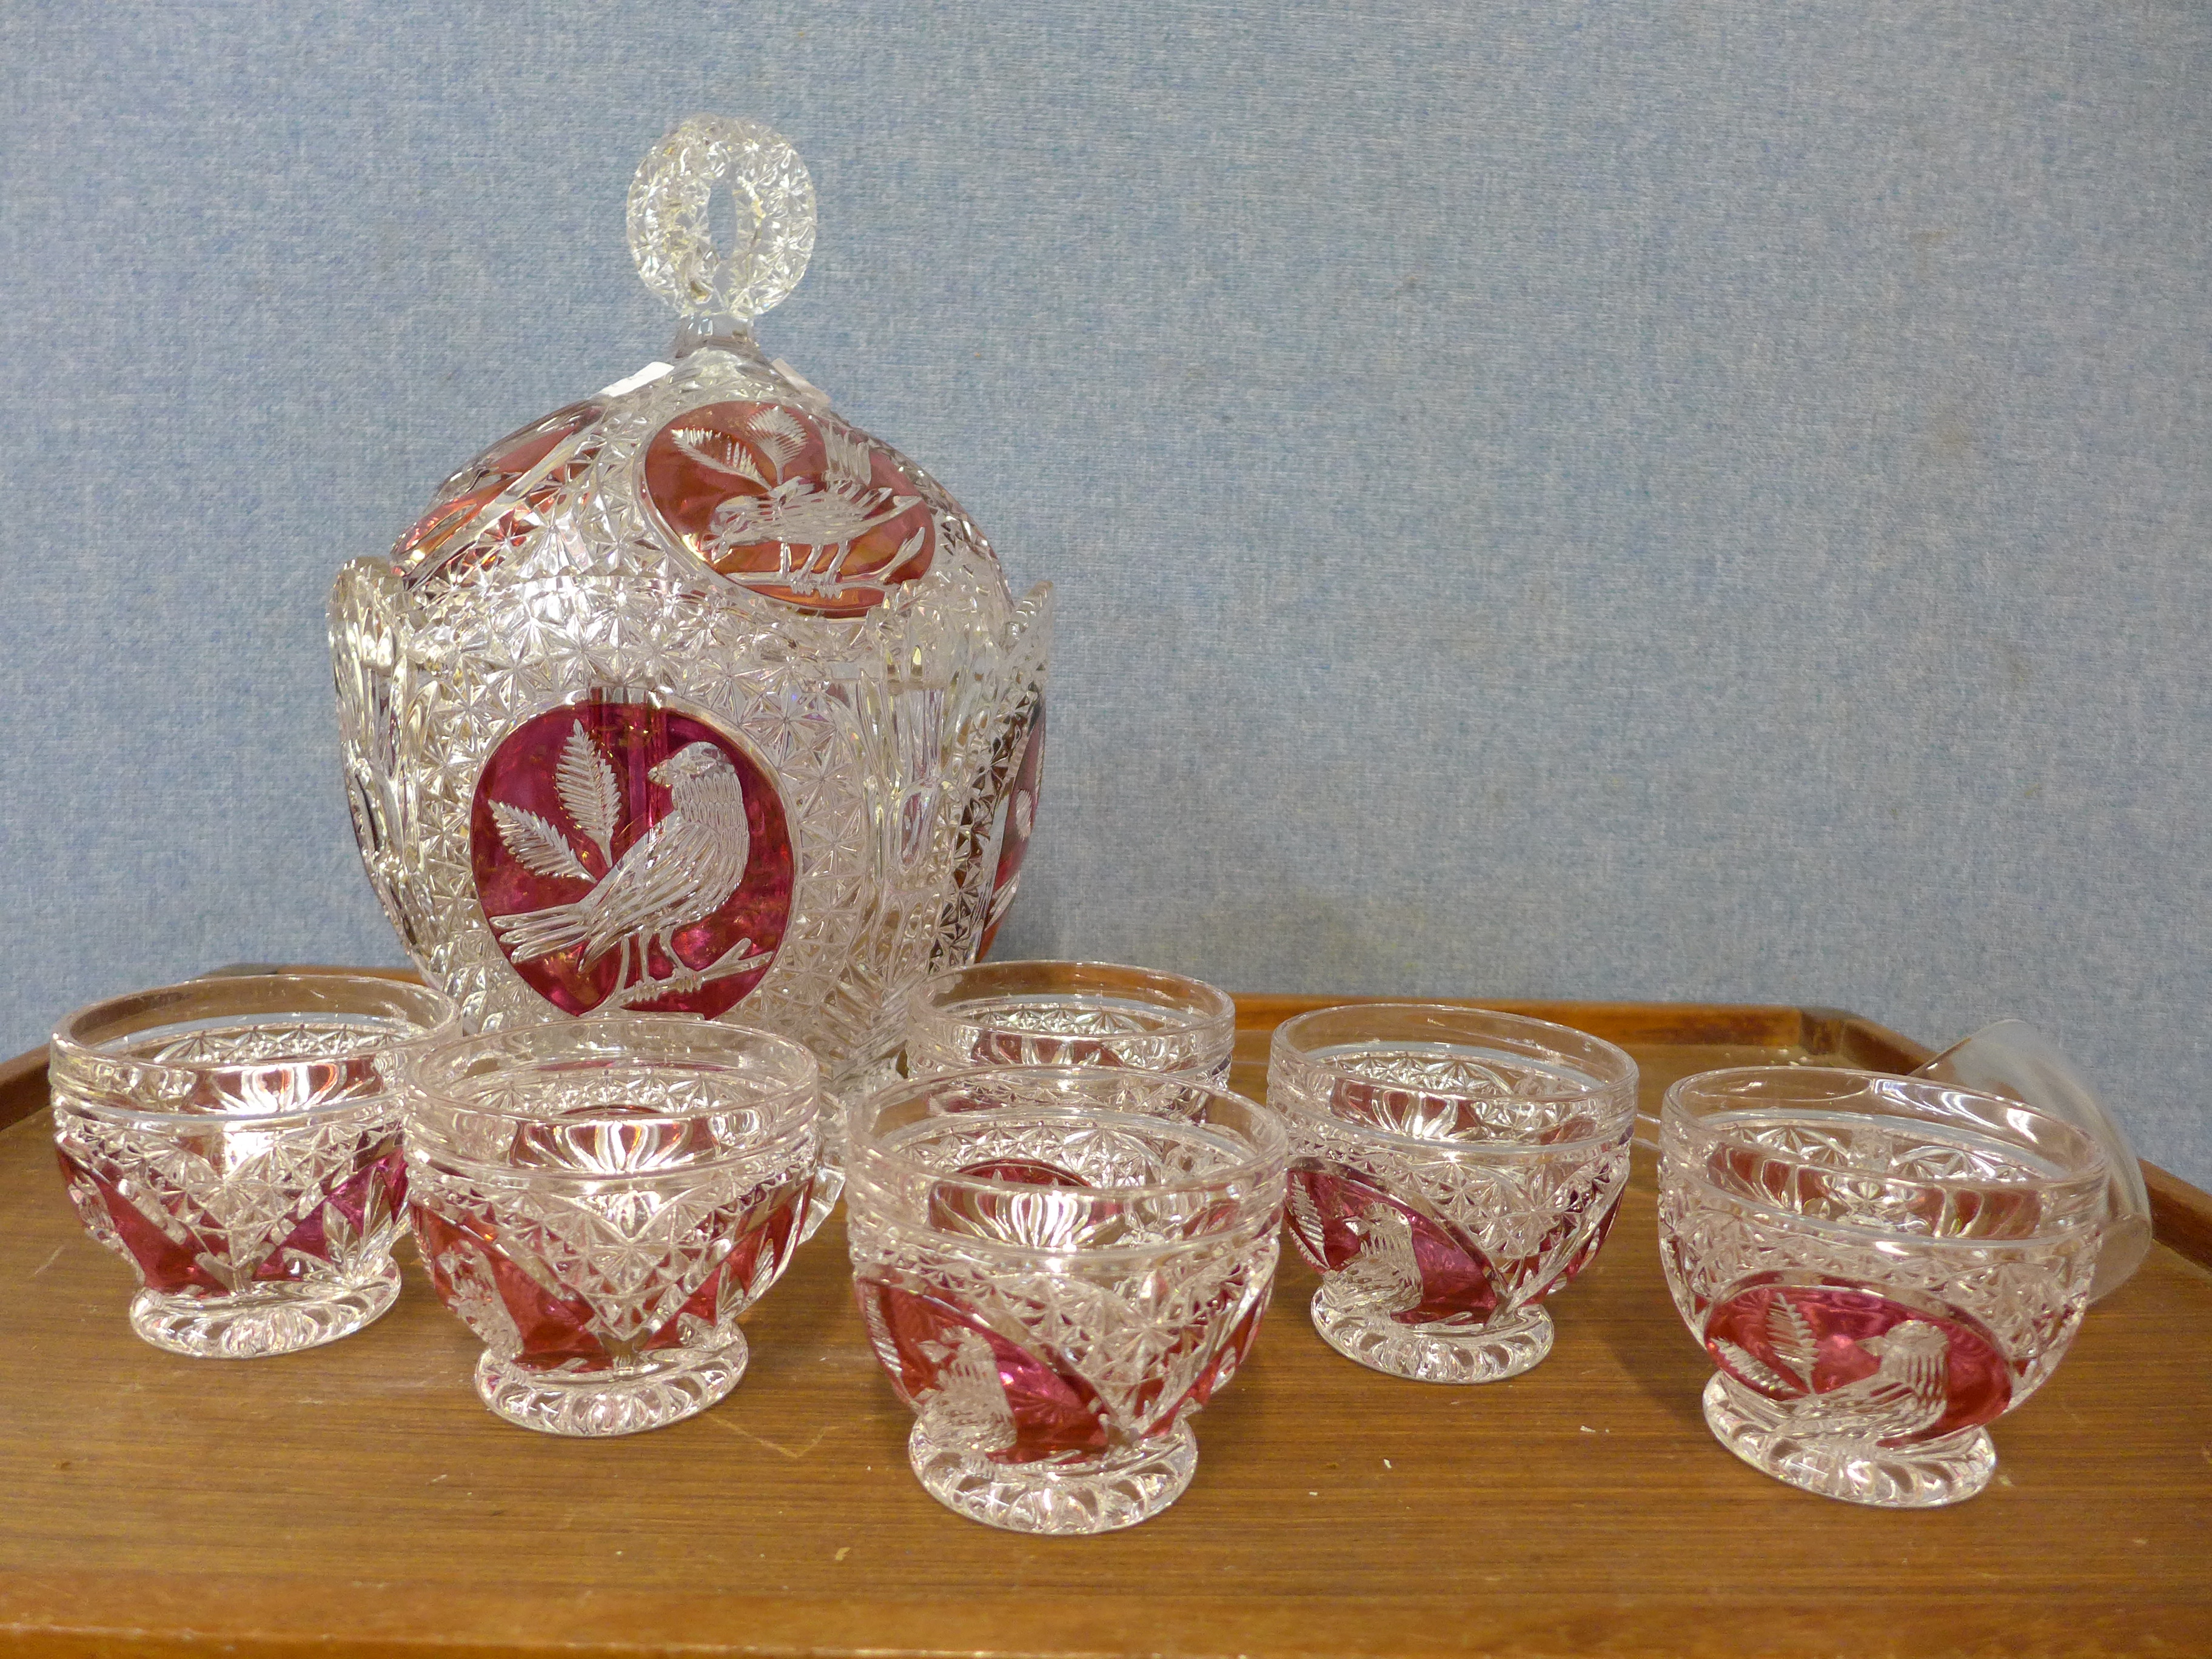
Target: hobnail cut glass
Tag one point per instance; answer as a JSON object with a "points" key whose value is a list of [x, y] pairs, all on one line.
{"points": [[1879, 1266], [692, 698], [1069, 1014], [236, 1140], [599, 1201], [1451, 1168], [1058, 1266]]}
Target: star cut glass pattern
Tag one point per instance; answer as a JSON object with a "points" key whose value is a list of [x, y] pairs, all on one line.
{"points": [[236, 1140], [1879, 1267], [847, 699], [600, 1200], [1451, 1168], [1057, 1268]]}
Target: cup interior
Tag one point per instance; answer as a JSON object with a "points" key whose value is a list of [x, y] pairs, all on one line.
{"points": [[270, 1045], [1903, 1156], [623, 1095], [995, 1012], [1067, 1158], [1444, 1075]]}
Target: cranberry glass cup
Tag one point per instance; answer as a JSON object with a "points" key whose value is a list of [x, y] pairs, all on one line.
{"points": [[1069, 1014], [599, 1201], [237, 1141], [1450, 1169], [1056, 1268], [1880, 1266]]}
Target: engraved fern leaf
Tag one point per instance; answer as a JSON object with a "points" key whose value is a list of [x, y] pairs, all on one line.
{"points": [[1791, 1338], [1754, 1370], [718, 451], [846, 457], [537, 847], [1305, 1223], [589, 792], [779, 433], [910, 546]]}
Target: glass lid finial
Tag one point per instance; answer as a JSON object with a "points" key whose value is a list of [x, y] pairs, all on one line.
{"points": [[670, 229]]}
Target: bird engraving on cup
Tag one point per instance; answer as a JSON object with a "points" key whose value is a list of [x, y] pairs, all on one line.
{"points": [[680, 872], [1386, 1275], [969, 1408], [1907, 1394]]}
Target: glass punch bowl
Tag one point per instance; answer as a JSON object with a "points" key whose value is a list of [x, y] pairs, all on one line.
{"points": [[692, 698]]}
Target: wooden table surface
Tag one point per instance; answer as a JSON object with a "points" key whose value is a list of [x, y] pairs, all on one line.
{"points": [[358, 1499]]}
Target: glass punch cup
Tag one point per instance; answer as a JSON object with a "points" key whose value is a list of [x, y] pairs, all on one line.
{"points": [[1879, 1268], [1070, 1014], [599, 1199], [1057, 1268], [236, 1140], [1450, 1169]]}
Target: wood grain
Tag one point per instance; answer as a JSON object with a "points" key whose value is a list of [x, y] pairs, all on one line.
{"points": [[357, 1500]]}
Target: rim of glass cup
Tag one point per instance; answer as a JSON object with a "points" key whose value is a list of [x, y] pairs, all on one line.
{"points": [[82, 1045], [1614, 1086], [1204, 1008], [2073, 1199], [790, 1095], [868, 1155]]}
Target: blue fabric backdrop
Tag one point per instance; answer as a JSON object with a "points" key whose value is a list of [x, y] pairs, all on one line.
{"points": [[1633, 500]]}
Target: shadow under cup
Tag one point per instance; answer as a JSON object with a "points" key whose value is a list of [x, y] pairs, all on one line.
{"points": [[599, 1199], [237, 1141], [1056, 1268], [1451, 1168]]}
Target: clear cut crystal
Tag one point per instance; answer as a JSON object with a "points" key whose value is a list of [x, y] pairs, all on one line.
{"points": [[691, 697]]}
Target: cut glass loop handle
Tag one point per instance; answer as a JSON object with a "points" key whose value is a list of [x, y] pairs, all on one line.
{"points": [[2012, 1058], [671, 218]]}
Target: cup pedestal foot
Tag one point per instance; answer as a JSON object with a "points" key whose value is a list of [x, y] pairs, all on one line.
{"points": [[264, 1320], [1118, 1490], [1434, 1353], [1776, 1440], [596, 1405]]}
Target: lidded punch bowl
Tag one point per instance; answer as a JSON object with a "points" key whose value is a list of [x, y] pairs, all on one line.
{"points": [[691, 697]]}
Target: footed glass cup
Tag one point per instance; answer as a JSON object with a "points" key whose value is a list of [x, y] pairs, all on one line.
{"points": [[236, 1140], [1881, 1267], [1451, 1168], [1056, 1268], [1070, 1014], [599, 1201]]}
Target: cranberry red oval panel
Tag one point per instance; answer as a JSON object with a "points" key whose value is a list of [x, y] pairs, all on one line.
{"points": [[1017, 1408], [806, 511], [437, 539], [1912, 1372], [1412, 1267], [629, 856]]}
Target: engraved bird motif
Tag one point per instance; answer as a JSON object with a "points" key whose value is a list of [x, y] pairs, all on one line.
{"points": [[819, 517], [969, 1406], [680, 872], [801, 512], [1908, 1394], [1386, 1275]]}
